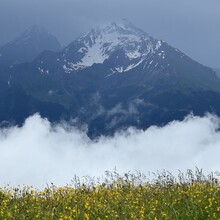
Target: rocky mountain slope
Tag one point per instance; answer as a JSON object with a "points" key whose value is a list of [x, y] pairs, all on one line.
{"points": [[111, 78]]}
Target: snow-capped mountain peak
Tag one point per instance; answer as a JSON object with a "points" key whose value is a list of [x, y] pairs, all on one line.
{"points": [[122, 41]]}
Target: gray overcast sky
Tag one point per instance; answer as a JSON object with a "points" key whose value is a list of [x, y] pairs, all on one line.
{"points": [[193, 26]]}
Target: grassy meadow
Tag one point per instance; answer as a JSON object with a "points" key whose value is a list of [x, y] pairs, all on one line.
{"points": [[131, 196]]}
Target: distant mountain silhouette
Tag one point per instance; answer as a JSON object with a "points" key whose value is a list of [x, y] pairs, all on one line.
{"points": [[28, 46]]}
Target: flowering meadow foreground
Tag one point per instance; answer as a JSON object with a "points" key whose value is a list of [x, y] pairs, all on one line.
{"points": [[131, 196]]}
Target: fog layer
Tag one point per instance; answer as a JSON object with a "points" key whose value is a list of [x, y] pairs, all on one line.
{"points": [[39, 153]]}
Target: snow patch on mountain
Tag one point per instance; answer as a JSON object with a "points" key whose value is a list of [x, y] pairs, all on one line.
{"points": [[100, 44]]}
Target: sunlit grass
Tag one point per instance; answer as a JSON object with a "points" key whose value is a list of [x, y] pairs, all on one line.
{"points": [[131, 196]]}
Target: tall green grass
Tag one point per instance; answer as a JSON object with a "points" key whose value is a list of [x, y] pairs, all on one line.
{"points": [[130, 196]]}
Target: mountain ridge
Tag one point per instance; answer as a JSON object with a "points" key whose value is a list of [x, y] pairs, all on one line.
{"points": [[161, 85], [97, 46]]}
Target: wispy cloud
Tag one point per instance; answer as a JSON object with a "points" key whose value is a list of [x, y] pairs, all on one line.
{"points": [[38, 152]]}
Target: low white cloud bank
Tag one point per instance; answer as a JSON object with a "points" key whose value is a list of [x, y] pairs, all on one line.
{"points": [[38, 153]]}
